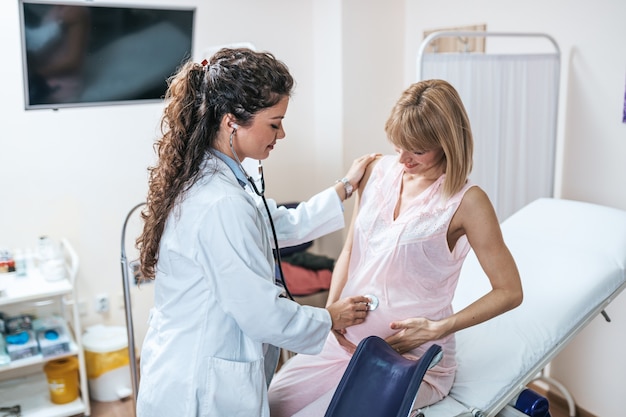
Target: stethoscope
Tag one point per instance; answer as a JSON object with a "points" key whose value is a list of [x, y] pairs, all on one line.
{"points": [[373, 300], [261, 193]]}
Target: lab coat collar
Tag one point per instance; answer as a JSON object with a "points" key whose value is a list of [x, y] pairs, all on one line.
{"points": [[234, 166]]}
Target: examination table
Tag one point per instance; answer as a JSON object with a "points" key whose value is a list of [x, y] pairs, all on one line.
{"points": [[571, 257]]}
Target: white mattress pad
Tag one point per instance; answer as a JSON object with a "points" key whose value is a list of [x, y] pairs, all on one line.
{"points": [[571, 257]]}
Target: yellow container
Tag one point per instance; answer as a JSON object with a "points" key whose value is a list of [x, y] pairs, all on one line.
{"points": [[99, 363], [62, 375]]}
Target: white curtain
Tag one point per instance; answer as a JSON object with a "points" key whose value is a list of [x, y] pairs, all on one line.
{"points": [[512, 102]]}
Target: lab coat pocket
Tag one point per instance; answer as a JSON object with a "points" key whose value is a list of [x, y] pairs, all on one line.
{"points": [[235, 389], [152, 346]]}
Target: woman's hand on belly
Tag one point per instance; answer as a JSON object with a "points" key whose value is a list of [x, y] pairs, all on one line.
{"points": [[413, 332]]}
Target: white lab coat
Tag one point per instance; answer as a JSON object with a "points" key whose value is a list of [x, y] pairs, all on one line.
{"points": [[216, 308]]}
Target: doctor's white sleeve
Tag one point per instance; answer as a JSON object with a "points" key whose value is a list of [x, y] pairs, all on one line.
{"points": [[318, 216], [242, 274]]}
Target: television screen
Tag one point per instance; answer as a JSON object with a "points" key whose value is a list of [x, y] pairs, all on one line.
{"points": [[86, 54]]}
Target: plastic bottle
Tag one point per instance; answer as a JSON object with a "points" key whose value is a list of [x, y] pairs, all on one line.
{"points": [[30, 260], [7, 263], [50, 259], [20, 263]]}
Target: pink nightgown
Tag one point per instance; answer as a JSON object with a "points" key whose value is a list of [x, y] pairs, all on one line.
{"points": [[407, 264]]}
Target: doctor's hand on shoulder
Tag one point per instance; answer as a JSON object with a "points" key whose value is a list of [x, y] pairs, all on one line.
{"points": [[351, 180], [348, 311]]}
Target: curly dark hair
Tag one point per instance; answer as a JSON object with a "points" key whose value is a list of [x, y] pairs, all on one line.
{"points": [[239, 82]]}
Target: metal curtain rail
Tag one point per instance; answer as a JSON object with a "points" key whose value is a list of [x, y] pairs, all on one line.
{"points": [[476, 34]]}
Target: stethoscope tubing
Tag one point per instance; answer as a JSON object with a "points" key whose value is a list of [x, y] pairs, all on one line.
{"points": [[277, 250]]}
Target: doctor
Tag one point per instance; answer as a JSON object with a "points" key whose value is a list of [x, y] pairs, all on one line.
{"points": [[209, 349]]}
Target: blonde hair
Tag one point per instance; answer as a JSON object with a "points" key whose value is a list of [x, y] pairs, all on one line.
{"points": [[430, 115]]}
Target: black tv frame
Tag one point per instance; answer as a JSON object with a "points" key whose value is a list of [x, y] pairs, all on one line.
{"points": [[130, 67]]}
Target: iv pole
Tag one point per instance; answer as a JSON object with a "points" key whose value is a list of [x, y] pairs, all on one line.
{"points": [[129, 317]]}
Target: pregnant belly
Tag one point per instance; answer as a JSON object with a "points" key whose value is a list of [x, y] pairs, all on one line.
{"points": [[377, 323]]}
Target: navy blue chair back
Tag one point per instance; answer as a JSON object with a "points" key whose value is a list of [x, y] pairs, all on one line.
{"points": [[379, 382]]}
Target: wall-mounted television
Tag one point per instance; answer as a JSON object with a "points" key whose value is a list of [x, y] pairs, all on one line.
{"points": [[84, 53]]}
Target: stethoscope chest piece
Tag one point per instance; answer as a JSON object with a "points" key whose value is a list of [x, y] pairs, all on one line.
{"points": [[373, 304]]}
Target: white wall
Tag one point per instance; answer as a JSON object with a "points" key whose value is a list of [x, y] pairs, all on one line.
{"points": [[76, 172]]}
